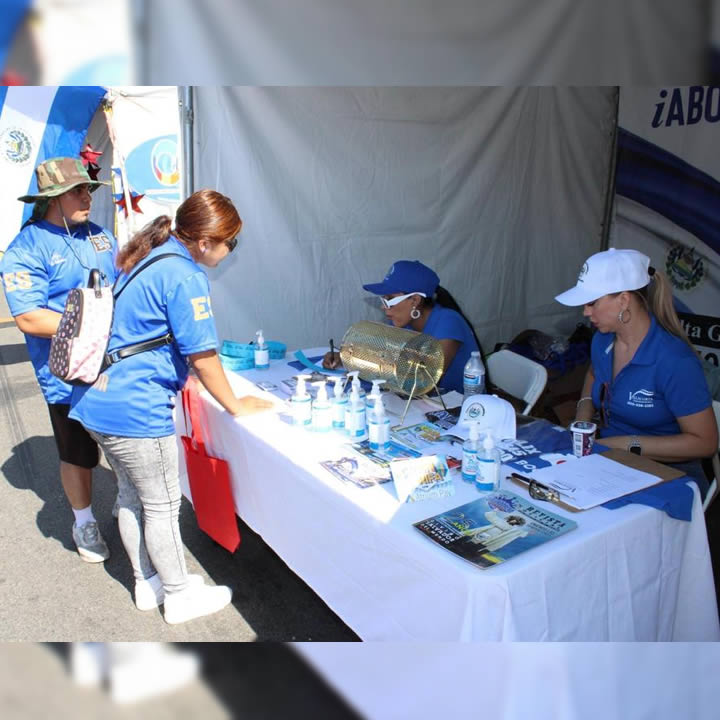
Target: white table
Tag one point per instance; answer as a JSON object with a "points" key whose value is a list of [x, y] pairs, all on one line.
{"points": [[628, 574]]}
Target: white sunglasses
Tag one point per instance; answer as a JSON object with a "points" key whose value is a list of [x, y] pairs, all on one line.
{"points": [[394, 301]]}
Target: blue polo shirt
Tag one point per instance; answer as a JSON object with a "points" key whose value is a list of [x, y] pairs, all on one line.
{"points": [[42, 264], [446, 324], [662, 382], [135, 397]]}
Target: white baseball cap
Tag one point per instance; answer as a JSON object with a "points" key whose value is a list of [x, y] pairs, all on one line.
{"points": [[491, 413], [608, 272]]}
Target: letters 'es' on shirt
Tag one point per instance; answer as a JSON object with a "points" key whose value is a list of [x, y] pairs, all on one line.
{"points": [[446, 324], [42, 264], [135, 397], [662, 382]]}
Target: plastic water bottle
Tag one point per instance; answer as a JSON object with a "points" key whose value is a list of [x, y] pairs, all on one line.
{"points": [[262, 352], [339, 402], [301, 403], [378, 426], [488, 466], [355, 415], [474, 375], [321, 410], [469, 455]]}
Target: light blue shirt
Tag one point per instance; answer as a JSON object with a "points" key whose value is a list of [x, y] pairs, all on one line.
{"points": [[42, 264], [135, 397]]}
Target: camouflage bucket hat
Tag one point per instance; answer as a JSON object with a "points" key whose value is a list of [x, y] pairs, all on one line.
{"points": [[58, 175]]}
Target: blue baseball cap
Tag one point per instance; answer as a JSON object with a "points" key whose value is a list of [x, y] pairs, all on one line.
{"points": [[406, 276]]}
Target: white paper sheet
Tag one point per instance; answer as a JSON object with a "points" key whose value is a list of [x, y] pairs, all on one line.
{"points": [[593, 480]]}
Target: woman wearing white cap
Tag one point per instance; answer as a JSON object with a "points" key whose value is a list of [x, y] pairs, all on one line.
{"points": [[645, 380]]}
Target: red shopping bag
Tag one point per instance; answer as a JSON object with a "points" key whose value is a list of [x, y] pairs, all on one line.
{"points": [[209, 479]]}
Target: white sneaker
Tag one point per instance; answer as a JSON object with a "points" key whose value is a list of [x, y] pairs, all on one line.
{"points": [[88, 663], [150, 593], [196, 601], [90, 543], [151, 673]]}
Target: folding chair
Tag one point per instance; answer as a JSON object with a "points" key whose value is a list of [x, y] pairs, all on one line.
{"points": [[517, 375], [713, 491]]}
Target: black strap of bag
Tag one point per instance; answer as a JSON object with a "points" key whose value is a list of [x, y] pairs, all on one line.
{"points": [[129, 350]]}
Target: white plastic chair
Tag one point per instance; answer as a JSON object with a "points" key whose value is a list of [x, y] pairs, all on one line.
{"points": [[712, 492], [517, 375]]}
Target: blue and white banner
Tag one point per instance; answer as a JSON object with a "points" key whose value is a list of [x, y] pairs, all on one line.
{"points": [[14, 12], [667, 202], [37, 123]]}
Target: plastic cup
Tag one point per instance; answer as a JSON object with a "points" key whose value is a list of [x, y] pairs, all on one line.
{"points": [[583, 435]]}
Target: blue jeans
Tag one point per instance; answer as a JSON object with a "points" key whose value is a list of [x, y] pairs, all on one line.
{"points": [[149, 505]]}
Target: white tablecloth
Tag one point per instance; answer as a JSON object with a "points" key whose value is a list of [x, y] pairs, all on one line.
{"points": [[628, 574]]}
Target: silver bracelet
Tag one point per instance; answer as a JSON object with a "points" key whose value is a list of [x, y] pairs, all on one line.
{"points": [[583, 399]]}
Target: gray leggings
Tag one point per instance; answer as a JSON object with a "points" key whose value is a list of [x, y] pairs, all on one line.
{"points": [[149, 505]]}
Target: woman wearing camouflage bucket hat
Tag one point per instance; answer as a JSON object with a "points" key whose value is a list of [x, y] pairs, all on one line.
{"points": [[53, 253]]}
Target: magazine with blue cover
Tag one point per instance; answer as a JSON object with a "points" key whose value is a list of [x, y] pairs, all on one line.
{"points": [[494, 528]]}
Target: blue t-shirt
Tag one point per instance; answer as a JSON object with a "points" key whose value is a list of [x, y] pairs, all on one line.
{"points": [[446, 324], [42, 264], [135, 397], [662, 382]]}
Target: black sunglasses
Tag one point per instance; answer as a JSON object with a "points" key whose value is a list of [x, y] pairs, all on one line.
{"points": [[231, 244]]}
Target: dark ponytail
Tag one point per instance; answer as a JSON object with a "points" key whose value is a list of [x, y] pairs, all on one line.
{"points": [[445, 299], [151, 236]]}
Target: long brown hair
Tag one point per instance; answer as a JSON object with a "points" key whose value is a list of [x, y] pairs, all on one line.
{"points": [[206, 215]]}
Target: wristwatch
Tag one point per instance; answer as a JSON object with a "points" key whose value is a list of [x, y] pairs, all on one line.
{"points": [[634, 446]]}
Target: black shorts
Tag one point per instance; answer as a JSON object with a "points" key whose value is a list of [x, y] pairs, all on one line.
{"points": [[74, 444]]}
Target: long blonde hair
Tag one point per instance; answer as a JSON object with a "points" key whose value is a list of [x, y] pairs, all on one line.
{"points": [[657, 299]]}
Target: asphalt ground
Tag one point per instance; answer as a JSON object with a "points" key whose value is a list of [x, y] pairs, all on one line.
{"points": [[47, 593]]}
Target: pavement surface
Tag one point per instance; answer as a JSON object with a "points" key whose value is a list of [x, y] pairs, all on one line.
{"points": [[47, 593]]}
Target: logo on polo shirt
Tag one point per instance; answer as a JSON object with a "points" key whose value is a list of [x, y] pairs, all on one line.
{"points": [[642, 398], [684, 267]]}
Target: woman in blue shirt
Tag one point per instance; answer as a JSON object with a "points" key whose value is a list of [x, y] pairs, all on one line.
{"points": [[645, 379], [129, 408], [413, 298]]}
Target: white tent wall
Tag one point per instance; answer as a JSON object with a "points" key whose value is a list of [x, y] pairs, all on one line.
{"points": [[423, 42], [501, 190]]}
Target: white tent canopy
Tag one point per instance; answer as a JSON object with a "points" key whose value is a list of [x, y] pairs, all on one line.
{"points": [[502, 191]]}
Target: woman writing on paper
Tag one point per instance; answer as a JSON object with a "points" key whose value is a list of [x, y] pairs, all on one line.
{"points": [[645, 380], [412, 298], [128, 410]]}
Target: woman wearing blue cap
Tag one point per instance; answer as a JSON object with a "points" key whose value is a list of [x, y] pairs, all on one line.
{"points": [[645, 380], [413, 298]]}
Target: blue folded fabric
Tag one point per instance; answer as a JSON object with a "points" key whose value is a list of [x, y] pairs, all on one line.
{"points": [[675, 497]]}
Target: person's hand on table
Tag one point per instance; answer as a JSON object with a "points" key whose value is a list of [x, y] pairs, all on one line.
{"points": [[331, 361], [249, 405]]}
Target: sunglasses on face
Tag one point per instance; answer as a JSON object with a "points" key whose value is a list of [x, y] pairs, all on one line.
{"points": [[231, 244], [387, 304]]}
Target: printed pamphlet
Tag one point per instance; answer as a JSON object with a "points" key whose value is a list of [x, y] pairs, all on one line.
{"points": [[421, 478], [494, 528]]}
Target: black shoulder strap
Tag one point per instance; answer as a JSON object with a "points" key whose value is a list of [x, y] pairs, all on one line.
{"points": [[140, 269]]}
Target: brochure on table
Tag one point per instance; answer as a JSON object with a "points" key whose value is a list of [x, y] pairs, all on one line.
{"points": [[494, 528]]}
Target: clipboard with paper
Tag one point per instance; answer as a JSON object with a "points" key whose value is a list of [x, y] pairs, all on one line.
{"points": [[595, 479]]}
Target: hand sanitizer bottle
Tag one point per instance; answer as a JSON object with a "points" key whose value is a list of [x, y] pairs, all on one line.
{"points": [[470, 455], [339, 402], [488, 466], [321, 410], [378, 426], [355, 417], [374, 395], [262, 353], [301, 404]]}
